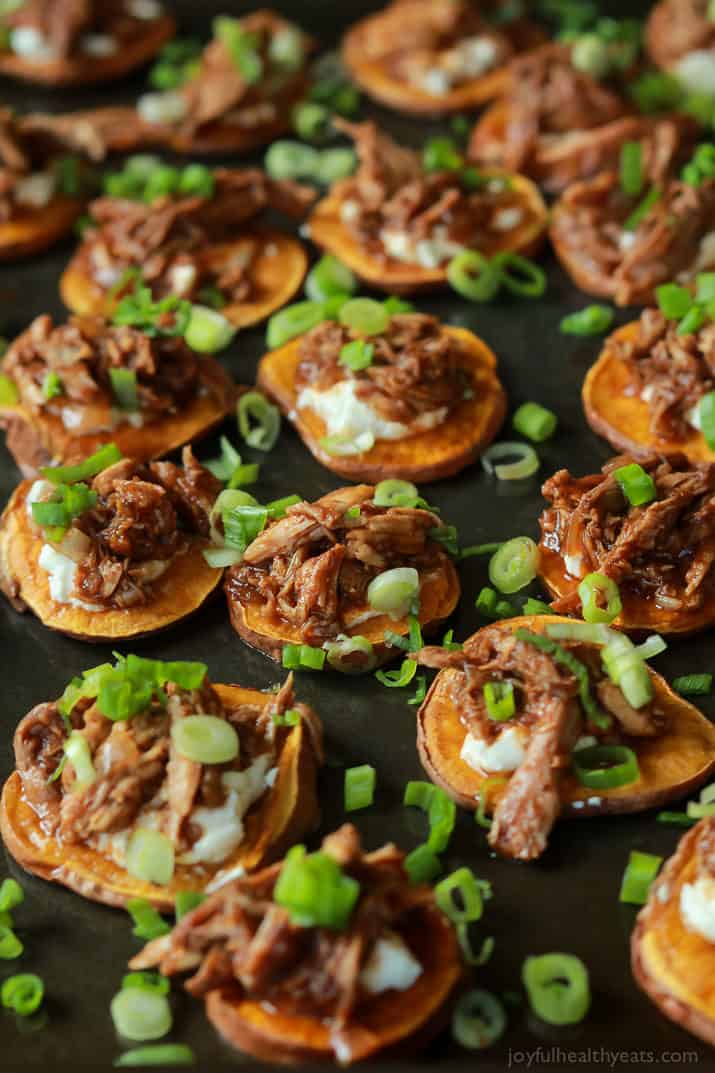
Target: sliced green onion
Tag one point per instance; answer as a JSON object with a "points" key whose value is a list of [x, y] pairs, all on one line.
{"points": [[641, 211], [254, 407], [329, 277], [692, 321], [593, 320], [393, 305], [186, 901], [532, 606], [22, 993], [160, 1054], [208, 330], [441, 811], [351, 655], [311, 121], [631, 168], [242, 524], [51, 385], [77, 751], [705, 287], [421, 692], [278, 508], [314, 889], [680, 819], [480, 816], [292, 321], [10, 945], [206, 739], [464, 883], [693, 685], [637, 485], [706, 414], [364, 315], [242, 46], [558, 988], [303, 657], [627, 670], [124, 387], [395, 493], [422, 865], [479, 1020], [500, 701], [591, 55], [290, 718], [471, 957], [335, 164], [473, 276], [604, 767], [11, 895], [520, 275], [514, 565], [441, 154], [103, 458], [140, 1015], [638, 877], [447, 536], [579, 670], [593, 591], [196, 180], [346, 446], [150, 856], [356, 355], [286, 49], [652, 646], [525, 465], [9, 394], [673, 300], [489, 605], [698, 810], [147, 981], [359, 789], [394, 591], [399, 678], [148, 923], [480, 549], [535, 422]]}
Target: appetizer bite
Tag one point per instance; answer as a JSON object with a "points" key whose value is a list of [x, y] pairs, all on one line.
{"points": [[373, 393], [434, 57], [540, 716], [110, 548], [341, 576], [43, 190], [680, 38], [70, 387], [673, 943], [327, 956], [652, 386], [633, 543], [558, 124], [400, 220], [191, 232], [73, 44], [621, 236], [145, 780]]}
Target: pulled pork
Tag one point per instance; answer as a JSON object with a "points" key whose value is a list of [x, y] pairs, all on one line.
{"points": [[663, 551], [397, 210], [241, 939], [63, 24], [145, 515], [27, 175], [670, 372], [416, 367], [676, 28], [171, 239], [311, 569], [142, 780], [82, 353], [588, 230], [548, 711]]}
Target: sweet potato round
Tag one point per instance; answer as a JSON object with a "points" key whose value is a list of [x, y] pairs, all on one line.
{"points": [[85, 70], [427, 456], [185, 586], [328, 231], [35, 440], [287, 812], [671, 765], [673, 965], [277, 273], [37, 229], [393, 1022]]}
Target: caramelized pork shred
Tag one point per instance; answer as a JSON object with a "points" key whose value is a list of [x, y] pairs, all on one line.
{"points": [[28, 180], [397, 210], [550, 715], [142, 780], [662, 552], [311, 569], [241, 939], [64, 25], [416, 367], [82, 354], [171, 238], [144, 516], [670, 372]]}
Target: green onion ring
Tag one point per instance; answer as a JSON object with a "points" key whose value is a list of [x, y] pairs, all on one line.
{"points": [[526, 464], [604, 767]]}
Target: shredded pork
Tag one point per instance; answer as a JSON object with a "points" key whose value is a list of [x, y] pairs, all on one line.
{"points": [[63, 24]]}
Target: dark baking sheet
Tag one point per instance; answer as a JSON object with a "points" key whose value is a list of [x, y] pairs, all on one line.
{"points": [[567, 901]]}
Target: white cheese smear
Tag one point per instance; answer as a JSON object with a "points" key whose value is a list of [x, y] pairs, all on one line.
{"points": [[346, 415], [696, 71], [391, 966], [222, 828], [61, 574], [697, 907], [505, 753], [471, 58]]}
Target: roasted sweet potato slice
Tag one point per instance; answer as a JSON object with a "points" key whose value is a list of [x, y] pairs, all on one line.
{"points": [[615, 410], [181, 591], [36, 439], [426, 456], [37, 229], [284, 814], [671, 764], [672, 964], [85, 70], [277, 271], [392, 1022], [328, 231]]}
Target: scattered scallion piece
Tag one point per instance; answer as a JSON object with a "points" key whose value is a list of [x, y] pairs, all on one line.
{"points": [[639, 214], [329, 277], [395, 493], [399, 678], [525, 464], [303, 658], [464, 883], [480, 549], [473, 276], [637, 486], [500, 701], [140, 1015], [11, 895], [640, 872], [479, 1020], [441, 812], [356, 355], [558, 988], [10, 946], [422, 865], [706, 414], [673, 300], [259, 422], [594, 591], [394, 591], [604, 767], [514, 565], [159, 1054], [205, 739], [51, 385], [472, 957], [8, 391], [208, 331], [593, 320], [147, 981], [103, 458], [148, 923], [22, 993], [579, 670], [535, 422], [680, 819], [359, 789], [693, 685], [652, 646], [520, 275], [533, 606], [364, 315], [420, 692], [631, 168], [351, 655], [124, 388], [150, 856], [314, 889], [480, 816], [489, 605], [186, 901]]}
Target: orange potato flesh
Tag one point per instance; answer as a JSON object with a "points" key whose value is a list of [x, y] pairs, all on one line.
{"points": [[673, 965], [180, 592], [37, 229], [287, 812], [394, 1021], [36, 439], [329, 232], [439, 596], [426, 456], [83, 70], [671, 765], [277, 272]]}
